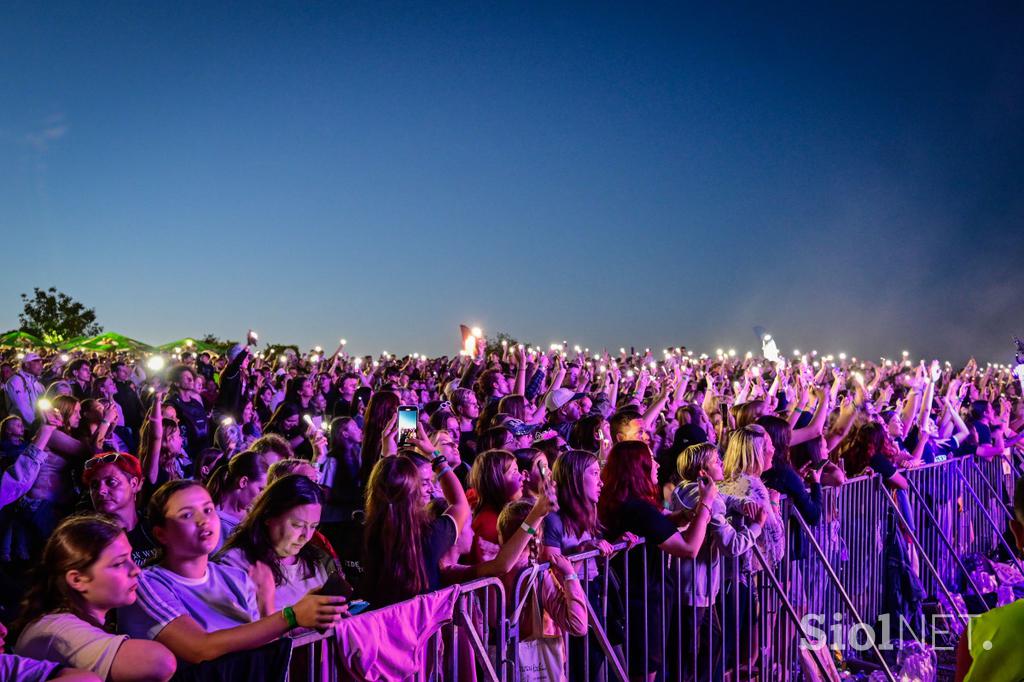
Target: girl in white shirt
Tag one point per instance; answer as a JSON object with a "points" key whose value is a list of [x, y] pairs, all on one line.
{"points": [[86, 570]]}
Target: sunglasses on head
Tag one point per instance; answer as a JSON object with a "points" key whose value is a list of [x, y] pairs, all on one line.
{"points": [[96, 461]]}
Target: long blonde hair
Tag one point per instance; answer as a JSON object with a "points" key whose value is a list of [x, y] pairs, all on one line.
{"points": [[745, 452]]}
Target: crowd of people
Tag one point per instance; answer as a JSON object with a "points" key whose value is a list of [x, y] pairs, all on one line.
{"points": [[154, 518]]}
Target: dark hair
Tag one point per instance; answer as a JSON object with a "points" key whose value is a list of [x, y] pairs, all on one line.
{"points": [[284, 411], [272, 442], [549, 446], [360, 400], [526, 456], [576, 513], [76, 365], [439, 420], [156, 511], [494, 438], [514, 405], [487, 477], [225, 477], [868, 441], [174, 373], [583, 434], [294, 386], [978, 410], [278, 498], [780, 433], [620, 421], [382, 407], [75, 545]]}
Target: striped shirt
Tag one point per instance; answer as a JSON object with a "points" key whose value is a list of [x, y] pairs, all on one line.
{"points": [[224, 598]]}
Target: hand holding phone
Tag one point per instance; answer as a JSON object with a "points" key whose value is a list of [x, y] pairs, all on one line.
{"points": [[336, 586], [408, 417]]}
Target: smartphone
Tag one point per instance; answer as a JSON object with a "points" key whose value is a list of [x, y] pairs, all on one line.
{"points": [[44, 405], [336, 586], [408, 415], [358, 606], [252, 338], [542, 466]]}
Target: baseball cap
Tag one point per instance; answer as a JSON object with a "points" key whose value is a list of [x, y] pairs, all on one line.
{"points": [[29, 357], [234, 351], [560, 397], [518, 427]]}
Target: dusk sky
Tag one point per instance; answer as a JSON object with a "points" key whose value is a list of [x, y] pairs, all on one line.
{"points": [[851, 179]]}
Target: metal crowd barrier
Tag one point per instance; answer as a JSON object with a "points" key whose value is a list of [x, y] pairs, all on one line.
{"points": [[760, 619], [461, 649]]}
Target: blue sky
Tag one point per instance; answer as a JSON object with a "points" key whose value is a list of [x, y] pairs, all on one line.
{"points": [[609, 174]]}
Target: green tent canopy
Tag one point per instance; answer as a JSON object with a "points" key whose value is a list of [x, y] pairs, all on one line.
{"points": [[192, 344], [109, 342], [72, 343], [19, 339]]}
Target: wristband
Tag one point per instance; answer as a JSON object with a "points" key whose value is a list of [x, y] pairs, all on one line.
{"points": [[289, 617], [438, 460], [708, 507], [570, 576], [442, 472], [528, 529]]}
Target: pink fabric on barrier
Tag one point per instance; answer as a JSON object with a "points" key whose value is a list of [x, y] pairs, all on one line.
{"points": [[388, 645]]}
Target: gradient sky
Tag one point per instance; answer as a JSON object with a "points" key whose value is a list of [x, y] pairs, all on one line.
{"points": [[609, 174]]}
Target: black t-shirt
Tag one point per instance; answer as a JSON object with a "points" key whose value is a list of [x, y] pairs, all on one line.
{"points": [[145, 549], [882, 466], [342, 407], [642, 518]]}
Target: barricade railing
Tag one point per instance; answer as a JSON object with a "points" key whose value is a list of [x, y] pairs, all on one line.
{"points": [[743, 614], [468, 647]]}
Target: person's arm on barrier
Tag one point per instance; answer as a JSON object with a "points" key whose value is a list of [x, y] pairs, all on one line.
{"points": [[191, 643], [566, 603], [808, 504], [513, 548], [687, 543], [737, 539], [897, 482]]}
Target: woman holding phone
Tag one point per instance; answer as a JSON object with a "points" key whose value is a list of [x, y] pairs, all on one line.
{"points": [[272, 544]]}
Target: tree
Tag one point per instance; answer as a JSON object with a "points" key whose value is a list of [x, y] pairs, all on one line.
{"points": [[215, 340], [55, 317], [496, 345]]}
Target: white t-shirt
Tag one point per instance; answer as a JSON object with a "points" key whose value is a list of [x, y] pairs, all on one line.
{"points": [[297, 581], [68, 640], [224, 598]]}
